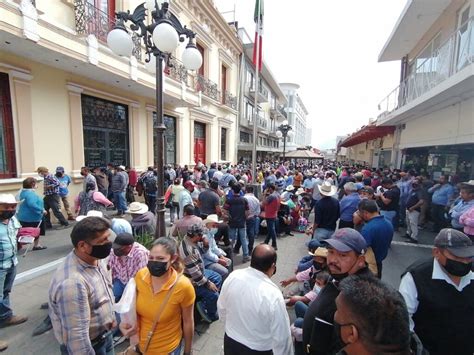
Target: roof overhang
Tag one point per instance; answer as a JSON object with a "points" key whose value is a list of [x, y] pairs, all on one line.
{"points": [[365, 134], [415, 20]]}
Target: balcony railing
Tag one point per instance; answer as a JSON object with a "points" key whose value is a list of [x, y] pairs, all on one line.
{"points": [[230, 100], [262, 123], [91, 20], [177, 71], [207, 87], [450, 58]]}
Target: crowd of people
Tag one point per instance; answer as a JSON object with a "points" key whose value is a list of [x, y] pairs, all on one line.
{"points": [[350, 214]]}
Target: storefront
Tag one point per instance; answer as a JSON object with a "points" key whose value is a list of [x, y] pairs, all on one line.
{"points": [[105, 128], [453, 160]]}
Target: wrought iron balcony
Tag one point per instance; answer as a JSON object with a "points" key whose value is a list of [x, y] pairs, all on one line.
{"points": [[177, 71], [91, 20], [451, 57], [207, 87], [230, 100]]}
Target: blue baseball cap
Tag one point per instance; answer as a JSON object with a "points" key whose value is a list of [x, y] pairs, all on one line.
{"points": [[313, 244], [346, 240], [60, 169]]}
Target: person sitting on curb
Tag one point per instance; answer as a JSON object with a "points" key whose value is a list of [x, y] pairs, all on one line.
{"points": [[215, 258]]}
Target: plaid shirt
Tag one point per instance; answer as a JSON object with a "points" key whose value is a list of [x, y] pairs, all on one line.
{"points": [[80, 304], [8, 245], [51, 185], [193, 263], [125, 267]]}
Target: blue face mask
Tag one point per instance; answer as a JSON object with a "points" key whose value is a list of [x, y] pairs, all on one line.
{"points": [[213, 231]]}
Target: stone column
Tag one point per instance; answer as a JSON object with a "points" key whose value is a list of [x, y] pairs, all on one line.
{"points": [[77, 130], [134, 119]]}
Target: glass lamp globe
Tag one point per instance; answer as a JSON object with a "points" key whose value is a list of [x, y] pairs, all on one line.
{"points": [[165, 37], [192, 58], [120, 42], [291, 134], [285, 122], [279, 134]]}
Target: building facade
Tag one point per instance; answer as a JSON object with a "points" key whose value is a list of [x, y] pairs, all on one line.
{"points": [[67, 100], [270, 110], [297, 114], [433, 106]]}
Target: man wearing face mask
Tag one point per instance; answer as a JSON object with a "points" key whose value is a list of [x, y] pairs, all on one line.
{"points": [[249, 300], [346, 249], [51, 197], [439, 294], [371, 318], [125, 260], [80, 294], [9, 226]]}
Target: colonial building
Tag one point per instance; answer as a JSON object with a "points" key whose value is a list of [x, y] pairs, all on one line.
{"points": [[432, 108], [66, 99], [297, 113], [271, 113]]}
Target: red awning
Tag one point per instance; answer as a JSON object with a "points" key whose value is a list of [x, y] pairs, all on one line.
{"points": [[365, 134]]}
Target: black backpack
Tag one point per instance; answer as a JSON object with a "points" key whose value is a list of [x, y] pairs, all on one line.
{"points": [[151, 184]]}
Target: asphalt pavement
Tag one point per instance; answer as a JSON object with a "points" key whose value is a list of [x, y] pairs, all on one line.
{"points": [[36, 269]]}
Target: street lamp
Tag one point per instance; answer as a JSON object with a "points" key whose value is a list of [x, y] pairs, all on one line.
{"points": [[283, 131], [160, 37]]}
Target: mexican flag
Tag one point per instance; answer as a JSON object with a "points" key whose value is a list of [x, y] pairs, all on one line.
{"points": [[258, 18]]}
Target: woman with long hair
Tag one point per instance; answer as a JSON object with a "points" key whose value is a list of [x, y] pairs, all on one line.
{"points": [[163, 294]]}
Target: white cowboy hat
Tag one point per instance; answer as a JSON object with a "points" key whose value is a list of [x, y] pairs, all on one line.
{"points": [[290, 188], [137, 208], [212, 218], [9, 199], [299, 191], [90, 214], [121, 167], [327, 189]]}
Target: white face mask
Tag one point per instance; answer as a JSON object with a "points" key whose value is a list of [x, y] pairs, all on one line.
{"points": [[213, 231], [317, 289]]}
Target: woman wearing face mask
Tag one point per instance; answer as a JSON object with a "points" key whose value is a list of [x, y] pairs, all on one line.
{"points": [[31, 211], [163, 292], [215, 258]]}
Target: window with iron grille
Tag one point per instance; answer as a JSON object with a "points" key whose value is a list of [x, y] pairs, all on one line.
{"points": [[223, 143], [7, 137]]}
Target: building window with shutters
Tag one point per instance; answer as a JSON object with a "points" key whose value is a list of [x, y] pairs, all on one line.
{"points": [[223, 143], [7, 137]]}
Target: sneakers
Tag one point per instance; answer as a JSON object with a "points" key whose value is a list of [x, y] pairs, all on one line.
{"points": [[3, 345], [411, 240], [236, 251], [43, 327], [13, 320], [202, 312], [246, 259]]}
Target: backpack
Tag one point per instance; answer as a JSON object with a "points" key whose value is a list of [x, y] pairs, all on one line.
{"points": [[151, 184]]}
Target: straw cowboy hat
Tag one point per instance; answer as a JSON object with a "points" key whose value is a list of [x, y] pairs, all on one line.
{"points": [[137, 208], [212, 218], [90, 214], [323, 252], [290, 188], [327, 189], [9, 199]]}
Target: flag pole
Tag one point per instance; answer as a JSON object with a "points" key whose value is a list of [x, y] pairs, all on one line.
{"points": [[255, 115]]}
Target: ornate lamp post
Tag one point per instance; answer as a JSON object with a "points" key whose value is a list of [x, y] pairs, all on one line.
{"points": [[160, 37], [283, 131]]}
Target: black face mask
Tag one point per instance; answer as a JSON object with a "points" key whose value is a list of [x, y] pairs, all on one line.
{"points": [[157, 268], [7, 214], [457, 268], [101, 251], [317, 265], [337, 330]]}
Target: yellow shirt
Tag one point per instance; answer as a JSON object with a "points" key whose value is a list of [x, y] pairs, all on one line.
{"points": [[168, 332]]}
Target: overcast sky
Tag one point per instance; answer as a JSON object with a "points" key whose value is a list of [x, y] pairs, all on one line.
{"points": [[330, 48]]}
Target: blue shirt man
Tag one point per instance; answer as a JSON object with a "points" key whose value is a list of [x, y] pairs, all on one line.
{"points": [[377, 231], [442, 192], [349, 203]]}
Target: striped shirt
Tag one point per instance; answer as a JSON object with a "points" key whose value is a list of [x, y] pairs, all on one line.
{"points": [[125, 267], [8, 245], [254, 205], [193, 263], [80, 304], [51, 185]]}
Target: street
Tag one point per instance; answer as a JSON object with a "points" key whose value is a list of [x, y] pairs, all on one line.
{"points": [[30, 291]]}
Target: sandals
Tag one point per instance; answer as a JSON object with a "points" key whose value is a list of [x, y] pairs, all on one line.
{"points": [[40, 247]]}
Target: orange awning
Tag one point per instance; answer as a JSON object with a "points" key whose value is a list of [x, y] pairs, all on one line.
{"points": [[365, 134]]}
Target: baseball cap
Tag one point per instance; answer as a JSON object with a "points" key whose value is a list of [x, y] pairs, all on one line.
{"points": [[188, 184], [60, 169], [195, 229], [313, 244], [345, 240], [456, 242], [123, 239]]}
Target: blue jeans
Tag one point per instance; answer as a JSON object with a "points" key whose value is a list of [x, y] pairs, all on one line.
{"points": [[118, 288], [105, 347], [240, 234], [271, 231], [251, 223], [208, 297], [120, 201], [321, 234], [300, 309], [389, 216], [7, 276], [177, 351]]}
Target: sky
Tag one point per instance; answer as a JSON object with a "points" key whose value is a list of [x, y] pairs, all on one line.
{"points": [[330, 48]]}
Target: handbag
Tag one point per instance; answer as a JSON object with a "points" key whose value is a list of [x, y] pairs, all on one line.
{"points": [[134, 350]]}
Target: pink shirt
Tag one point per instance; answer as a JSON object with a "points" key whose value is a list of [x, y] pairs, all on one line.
{"points": [[125, 267], [467, 218]]}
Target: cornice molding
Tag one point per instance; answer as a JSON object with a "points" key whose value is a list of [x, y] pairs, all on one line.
{"points": [[104, 94], [203, 116]]}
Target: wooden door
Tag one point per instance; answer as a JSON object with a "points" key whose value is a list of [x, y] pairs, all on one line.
{"points": [[199, 142]]}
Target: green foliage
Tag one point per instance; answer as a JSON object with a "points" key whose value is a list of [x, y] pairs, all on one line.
{"points": [[146, 240]]}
